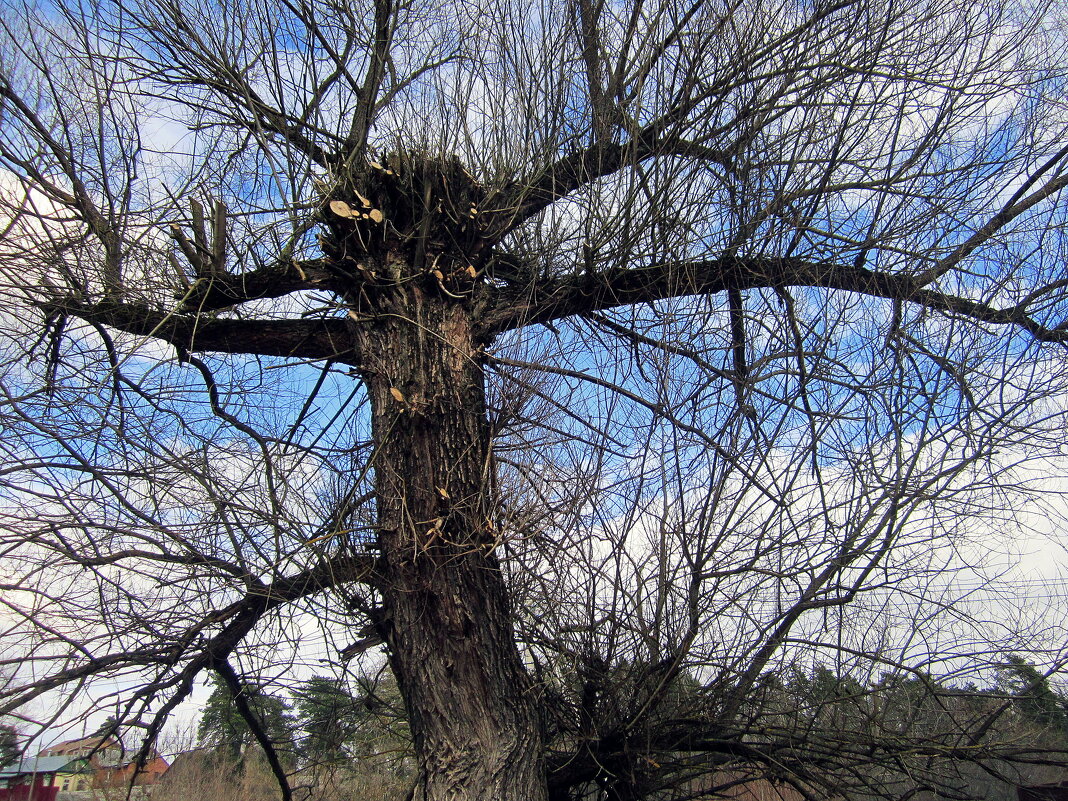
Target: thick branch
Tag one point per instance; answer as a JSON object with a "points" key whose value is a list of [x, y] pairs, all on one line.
{"points": [[237, 694], [301, 339], [578, 169], [271, 281], [584, 294]]}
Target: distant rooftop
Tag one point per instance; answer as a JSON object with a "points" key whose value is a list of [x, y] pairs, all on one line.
{"points": [[40, 764], [83, 744]]}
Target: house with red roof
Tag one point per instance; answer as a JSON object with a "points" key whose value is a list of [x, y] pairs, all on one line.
{"points": [[79, 770]]}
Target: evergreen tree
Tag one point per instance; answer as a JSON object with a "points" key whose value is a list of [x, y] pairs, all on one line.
{"points": [[10, 748], [109, 728], [224, 728], [1034, 697], [329, 716]]}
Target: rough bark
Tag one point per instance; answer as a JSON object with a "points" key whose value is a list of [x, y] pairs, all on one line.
{"points": [[447, 621]]}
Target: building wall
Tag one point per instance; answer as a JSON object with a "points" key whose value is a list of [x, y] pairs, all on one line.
{"points": [[37, 791]]}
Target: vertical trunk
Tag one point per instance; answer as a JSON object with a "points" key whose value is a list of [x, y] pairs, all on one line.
{"points": [[448, 621]]}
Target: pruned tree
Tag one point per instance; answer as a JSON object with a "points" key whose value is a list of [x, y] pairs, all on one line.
{"points": [[566, 349]]}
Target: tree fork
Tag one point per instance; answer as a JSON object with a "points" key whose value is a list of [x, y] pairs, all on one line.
{"points": [[448, 628]]}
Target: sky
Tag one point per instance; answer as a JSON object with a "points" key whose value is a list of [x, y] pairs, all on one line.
{"points": [[1030, 586]]}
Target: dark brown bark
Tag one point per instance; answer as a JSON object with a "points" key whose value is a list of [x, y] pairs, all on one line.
{"points": [[298, 339], [550, 300], [447, 620]]}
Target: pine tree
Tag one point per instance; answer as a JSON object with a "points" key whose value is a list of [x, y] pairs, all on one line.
{"points": [[10, 748], [1034, 697], [329, 716], [223, 727], [109, 728]]}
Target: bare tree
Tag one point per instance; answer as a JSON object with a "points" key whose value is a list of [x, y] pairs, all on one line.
{"points": [[612, 340]]}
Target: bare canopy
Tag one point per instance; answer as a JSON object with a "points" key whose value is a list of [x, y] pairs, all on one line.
{"points": [[597, 359]]}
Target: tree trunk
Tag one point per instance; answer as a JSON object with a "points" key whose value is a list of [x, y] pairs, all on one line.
{"points": [[447, 618]]}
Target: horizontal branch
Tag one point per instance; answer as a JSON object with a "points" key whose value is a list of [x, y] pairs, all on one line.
{"points": [[220, 291], [546, 301], [300, 339]]}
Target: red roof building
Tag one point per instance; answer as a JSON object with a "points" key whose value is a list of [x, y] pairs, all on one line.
{"points": [[121, 776]]}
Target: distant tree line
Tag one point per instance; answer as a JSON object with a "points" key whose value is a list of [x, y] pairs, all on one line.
{"points": [[331, 734]]}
